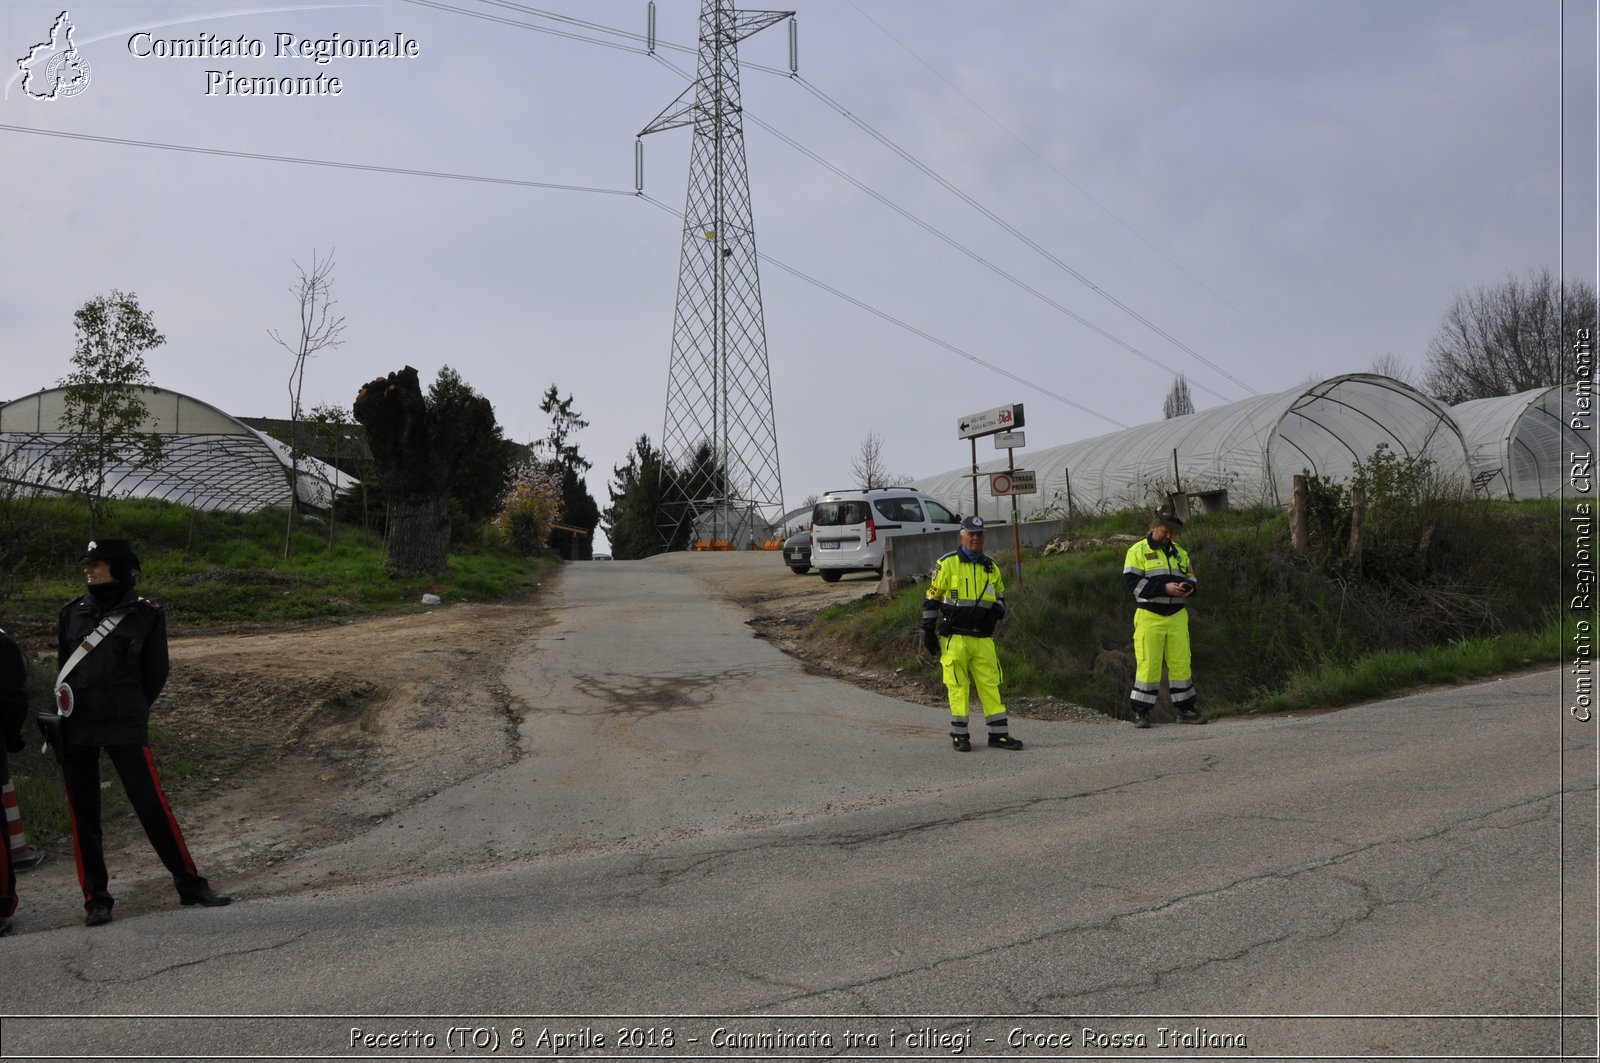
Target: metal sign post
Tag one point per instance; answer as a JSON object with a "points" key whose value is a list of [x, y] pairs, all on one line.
{"points": [[1016, 482], [986, 423]]}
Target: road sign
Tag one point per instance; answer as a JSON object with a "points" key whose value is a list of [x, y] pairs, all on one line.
{"points": [[988, 422], [1014, 482], [1007, 440]]}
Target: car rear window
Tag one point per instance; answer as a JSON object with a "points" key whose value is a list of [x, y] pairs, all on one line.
{"points": [[900, 509], [833, 514]]}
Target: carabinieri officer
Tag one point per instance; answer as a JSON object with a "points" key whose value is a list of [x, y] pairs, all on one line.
{"points": [[111, 688]]}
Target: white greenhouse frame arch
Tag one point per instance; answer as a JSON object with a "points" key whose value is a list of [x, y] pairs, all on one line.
{"points": [[211, 461], [1242, 454], [1520, 445]]}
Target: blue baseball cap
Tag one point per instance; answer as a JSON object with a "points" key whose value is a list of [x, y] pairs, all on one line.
{"points": [[972, 524]]}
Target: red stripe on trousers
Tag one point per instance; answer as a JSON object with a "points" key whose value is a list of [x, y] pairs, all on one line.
{"points": [[172, 821]]}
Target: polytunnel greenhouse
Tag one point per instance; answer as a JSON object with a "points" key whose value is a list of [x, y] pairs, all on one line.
{"points": [[210, 460], [1519, 445], [1243, 454]]}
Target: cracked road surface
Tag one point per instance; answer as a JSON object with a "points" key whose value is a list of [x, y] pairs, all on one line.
{"points": [[698, 825]]}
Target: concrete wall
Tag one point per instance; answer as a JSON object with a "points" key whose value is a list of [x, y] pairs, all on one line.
{"points": [[910, 557]]}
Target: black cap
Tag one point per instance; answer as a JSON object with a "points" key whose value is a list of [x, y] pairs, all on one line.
{"points": [[1171, 520], [111, 551], [972, 524]]}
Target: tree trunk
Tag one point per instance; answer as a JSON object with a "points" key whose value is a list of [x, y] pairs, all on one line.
{"points": [[400, 430], [1358, 522], [419, 533], [1297, 518]]}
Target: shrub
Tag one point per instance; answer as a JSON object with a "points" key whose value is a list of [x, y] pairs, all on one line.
{"points": [[530, 508]]}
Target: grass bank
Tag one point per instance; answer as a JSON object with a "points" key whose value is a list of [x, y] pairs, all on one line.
{"points": [[221, 568], [1469, 589]]}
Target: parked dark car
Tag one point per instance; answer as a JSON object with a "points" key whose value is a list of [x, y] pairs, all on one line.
{"points": [[797, 552]]}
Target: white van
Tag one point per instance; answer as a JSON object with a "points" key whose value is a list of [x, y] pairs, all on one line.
{"points": [[848, 528]]}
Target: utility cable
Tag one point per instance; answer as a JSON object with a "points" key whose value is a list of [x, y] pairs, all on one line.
{"points": [[966, 198], [914, 330], [261, 157], [959, 246], [1107, 211], [892, 146], [487, 17], [570, 20]]}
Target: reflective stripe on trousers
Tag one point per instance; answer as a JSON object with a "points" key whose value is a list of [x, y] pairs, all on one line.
{"points": [[1158, 639]]}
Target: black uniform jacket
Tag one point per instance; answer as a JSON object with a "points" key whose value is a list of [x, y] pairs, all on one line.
{"points": [[115, 684], [13, 692]]}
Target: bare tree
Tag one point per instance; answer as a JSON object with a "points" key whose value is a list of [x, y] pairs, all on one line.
{"points": [[1394, 367], [868, 466], [1178, 401], [1508, 338], [319, 330]]}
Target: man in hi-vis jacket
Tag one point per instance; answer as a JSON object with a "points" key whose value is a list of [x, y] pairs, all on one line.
{"points": [[1158, 572], [966, 599]]}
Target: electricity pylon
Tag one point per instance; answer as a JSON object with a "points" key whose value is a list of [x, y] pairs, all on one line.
{"points": [[719, 436]]}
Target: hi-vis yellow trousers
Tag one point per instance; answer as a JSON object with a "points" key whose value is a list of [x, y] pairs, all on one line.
{"points": [[1158, 639]]}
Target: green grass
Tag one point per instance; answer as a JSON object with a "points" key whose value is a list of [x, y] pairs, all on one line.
{"points": [[222, 568], [1271, 631], [1382, 674]]}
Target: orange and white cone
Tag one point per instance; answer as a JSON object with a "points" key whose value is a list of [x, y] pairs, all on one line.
{"points": [[23, 858]]}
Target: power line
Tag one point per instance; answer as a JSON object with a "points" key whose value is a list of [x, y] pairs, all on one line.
{"points": [[961, 247], [570, 20], [914, 330], [1107, 211], [1014, 231], [904, 154], [528, 25], [262, 157]]}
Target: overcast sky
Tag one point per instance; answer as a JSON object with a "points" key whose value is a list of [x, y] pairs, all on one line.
{"points": [[1287, 189]]}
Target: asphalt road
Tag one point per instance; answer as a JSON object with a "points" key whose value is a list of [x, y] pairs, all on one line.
{"points": [[703, 837]]}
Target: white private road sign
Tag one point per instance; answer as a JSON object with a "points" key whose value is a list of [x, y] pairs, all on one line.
{"points": [[1023, 482], [1008, 440], [988, 422]]}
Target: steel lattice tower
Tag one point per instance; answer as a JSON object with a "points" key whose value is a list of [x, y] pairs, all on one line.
{"points": [[719, 436]]}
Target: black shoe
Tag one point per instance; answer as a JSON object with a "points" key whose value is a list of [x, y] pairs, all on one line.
{"points": [[1004, 742], [207, 898], [1190, 716], [5, 927], [27, 859], [962, 743], [98, 913], [1141, 719]]}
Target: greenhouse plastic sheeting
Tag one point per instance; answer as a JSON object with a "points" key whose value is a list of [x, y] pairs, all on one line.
{"points": [[211, 461], [1519, 445], [1242, 454]]}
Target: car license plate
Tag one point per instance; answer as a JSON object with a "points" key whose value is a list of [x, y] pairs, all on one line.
{"points": [[826, 545]]}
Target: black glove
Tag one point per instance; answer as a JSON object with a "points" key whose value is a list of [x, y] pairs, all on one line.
{"points": [[49, 724], [930, 641]]}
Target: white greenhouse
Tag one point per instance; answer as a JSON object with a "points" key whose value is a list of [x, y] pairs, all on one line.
{"points": [[1519, 445], [210, 462], [1243, 454]]}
